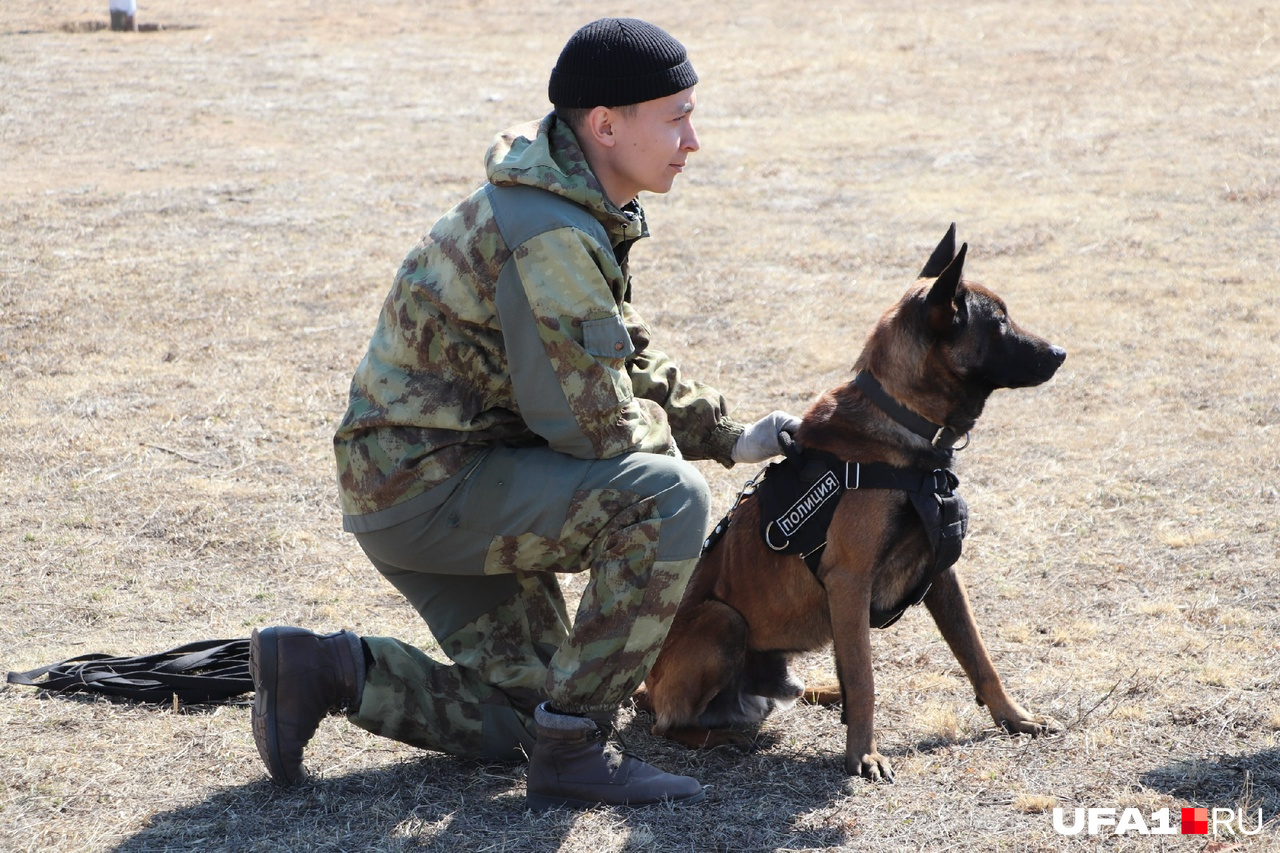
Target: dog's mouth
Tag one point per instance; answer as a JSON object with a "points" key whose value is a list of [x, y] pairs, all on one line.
{"points": [[1039, 368], [1024, 361]]}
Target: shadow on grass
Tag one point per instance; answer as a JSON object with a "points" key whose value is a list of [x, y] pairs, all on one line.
{"points": [[754, 802], [941, 743], [1249, 782]]}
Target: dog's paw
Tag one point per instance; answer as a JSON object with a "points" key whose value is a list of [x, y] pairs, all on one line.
{"points": [[872, 766], [1030, 724]]}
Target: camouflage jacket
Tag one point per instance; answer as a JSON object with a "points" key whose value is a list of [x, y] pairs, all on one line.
{"points": [[511, 323]]}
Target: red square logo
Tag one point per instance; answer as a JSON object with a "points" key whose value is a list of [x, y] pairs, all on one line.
{"points": [[1195, 821]]}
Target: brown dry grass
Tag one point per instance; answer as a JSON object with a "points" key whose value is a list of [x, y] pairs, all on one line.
{"points": [[198, 225]]}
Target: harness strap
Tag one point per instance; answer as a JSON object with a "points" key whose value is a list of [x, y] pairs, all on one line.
{"points": [[718, 531], [799, 495]]}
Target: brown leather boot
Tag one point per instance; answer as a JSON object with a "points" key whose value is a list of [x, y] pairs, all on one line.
{"points": [[298, 678], [573, 766]]}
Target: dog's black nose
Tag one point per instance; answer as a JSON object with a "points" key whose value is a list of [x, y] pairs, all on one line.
{"points": [[1058, 353]]}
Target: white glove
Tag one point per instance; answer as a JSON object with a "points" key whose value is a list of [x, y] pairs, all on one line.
{"points": [[760, 440]]}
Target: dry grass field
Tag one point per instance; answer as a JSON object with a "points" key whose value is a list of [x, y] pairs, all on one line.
{"points": [[198, 226]]}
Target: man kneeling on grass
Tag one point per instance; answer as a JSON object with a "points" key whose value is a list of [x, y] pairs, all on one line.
{"points": [[510, 421]]}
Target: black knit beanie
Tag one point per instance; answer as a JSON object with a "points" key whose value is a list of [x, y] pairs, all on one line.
{"points": [[614, 62]]}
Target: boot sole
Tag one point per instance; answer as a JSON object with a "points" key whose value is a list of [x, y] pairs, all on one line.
{"points": [[263, 669], [545, 802]]}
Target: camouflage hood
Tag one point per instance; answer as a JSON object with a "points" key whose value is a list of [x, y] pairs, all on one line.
{"points": [[545, 154]]}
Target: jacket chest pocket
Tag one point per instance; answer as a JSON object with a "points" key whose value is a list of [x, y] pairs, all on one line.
{"points": [[607, 338]]}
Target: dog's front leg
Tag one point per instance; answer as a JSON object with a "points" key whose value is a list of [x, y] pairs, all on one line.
{"points": [[849, 601], [948, 603]]}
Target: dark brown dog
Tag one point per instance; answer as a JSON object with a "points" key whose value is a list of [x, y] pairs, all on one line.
{"points": [[939, 352]]}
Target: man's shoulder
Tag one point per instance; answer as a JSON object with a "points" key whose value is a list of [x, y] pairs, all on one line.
{"points": [[524, 212]]}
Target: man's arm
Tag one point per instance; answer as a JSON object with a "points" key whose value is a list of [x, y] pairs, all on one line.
{"points": [[567, 349]]}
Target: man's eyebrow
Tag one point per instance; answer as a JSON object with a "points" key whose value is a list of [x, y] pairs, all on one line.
{"points": [[686, 107]]}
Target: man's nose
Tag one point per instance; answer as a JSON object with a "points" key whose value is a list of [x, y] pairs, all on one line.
{"points": [[691, 139]]}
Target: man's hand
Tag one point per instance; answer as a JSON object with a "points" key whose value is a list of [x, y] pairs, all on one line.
{"points": [[760, 440]]}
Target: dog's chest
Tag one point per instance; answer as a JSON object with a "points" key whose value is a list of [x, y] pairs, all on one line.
{"points": [[903, 566], [920, 538]]}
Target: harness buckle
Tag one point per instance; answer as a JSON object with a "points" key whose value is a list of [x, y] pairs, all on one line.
{"points": [[856, 467], [944, 481]]}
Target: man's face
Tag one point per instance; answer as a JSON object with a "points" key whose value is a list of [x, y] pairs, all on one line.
{"points": [[652, 142]]}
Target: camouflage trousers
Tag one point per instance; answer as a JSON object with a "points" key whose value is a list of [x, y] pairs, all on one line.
{"points": [[481, 570]]}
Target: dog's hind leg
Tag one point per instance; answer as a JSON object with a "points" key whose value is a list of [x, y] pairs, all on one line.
{"points": [[949, 605], [768, 674], [704, 654]]}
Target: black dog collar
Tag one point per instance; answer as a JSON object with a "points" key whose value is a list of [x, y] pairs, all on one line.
{"points": [[939, 436]]}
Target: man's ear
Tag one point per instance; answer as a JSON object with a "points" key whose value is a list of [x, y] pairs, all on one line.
{"points": [[599, 126]]}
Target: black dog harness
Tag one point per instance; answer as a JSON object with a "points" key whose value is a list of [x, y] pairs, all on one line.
{"points": [[798, 498]]}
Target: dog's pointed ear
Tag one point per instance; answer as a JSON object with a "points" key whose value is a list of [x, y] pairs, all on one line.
{"points": [[941, 301], [941, 256]]}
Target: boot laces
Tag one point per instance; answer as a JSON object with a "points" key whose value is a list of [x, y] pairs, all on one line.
{"points": [[615, 746]]}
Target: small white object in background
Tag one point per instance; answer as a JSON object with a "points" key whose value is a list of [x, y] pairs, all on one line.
{"points": [[123, 13]]}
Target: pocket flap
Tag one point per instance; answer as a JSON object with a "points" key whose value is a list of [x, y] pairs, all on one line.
{"points": [[607, 337]]}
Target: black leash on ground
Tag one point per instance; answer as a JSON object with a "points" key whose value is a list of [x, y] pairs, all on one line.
{"points": [[196, 673]]}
